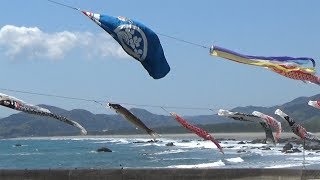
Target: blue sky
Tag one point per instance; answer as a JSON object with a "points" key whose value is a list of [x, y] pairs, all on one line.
{"points": [[51, 49]]}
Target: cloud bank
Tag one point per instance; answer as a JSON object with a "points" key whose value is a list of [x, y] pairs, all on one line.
{"points": [[33, 43]]}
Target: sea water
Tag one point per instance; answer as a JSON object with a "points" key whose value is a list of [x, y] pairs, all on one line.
{"points": [[131, 152]]}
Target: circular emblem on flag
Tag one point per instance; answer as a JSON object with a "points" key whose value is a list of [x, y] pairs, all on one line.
{"points": [[133, 40]]}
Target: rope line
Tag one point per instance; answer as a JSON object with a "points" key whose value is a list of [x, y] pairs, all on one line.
{"points": [[164, 35], [184, 41], [104, 101], [51, 95], [78, 9], [169, 107]]}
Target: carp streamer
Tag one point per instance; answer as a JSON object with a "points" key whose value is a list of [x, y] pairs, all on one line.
{"points": [[19, 105]]}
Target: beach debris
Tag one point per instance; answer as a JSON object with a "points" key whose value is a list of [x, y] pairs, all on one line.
{"points": [[249, 118], [104, 149], [198, 131], [290, 67], [296, 128], [19, 105], [132, 118]]}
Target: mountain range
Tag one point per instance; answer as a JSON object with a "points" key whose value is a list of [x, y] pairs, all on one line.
{"points": [[22, 124]]}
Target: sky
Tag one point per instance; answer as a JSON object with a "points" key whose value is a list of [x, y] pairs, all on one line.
{"points": [[50, 49]]}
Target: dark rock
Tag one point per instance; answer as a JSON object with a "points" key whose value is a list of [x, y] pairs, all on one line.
{"points": [[104, 149], [281, 140], [314, 147], [290, 140], [185, 140], [150, 141], [241, 151], [18, 145], [254, 148], [295, 150], [258, 141], [241, 142], [230, 147], [153, 141], [265, 148], [287, 147], [170, 144]]}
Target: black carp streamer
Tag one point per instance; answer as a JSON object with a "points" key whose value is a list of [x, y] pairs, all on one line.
{"points": [[19, 105]]}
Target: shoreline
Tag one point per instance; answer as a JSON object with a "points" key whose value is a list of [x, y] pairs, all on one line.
{"points": [[237, 136]]}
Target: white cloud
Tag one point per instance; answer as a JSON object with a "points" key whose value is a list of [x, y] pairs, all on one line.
{"points": [[31, 42]]}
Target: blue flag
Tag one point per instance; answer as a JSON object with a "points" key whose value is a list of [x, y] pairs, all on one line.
{"points": [[137, 40]]}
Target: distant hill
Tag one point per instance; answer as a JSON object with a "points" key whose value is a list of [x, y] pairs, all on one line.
{"points": [[22, 124]]}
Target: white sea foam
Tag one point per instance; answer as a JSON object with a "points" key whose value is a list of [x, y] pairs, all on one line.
{"points": [[171, 152], [119, 141], [317, 158], [191, 144], [203, 165], [100, 142], [186, 158], [235, 160], [21, 154]]}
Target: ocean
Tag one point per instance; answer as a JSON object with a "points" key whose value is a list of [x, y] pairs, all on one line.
{"points": [[139, 152]]}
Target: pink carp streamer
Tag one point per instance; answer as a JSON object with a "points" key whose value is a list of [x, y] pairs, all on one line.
{"points": [[299, 75], [272, 122], [198, 131], [315, 104]]}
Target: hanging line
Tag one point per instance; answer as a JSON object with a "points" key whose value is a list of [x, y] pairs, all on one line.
{"points": [[169, 107], [52, 95], [164, 35], [102, 101], [184, 41], [165, 110], [65, 5]]}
